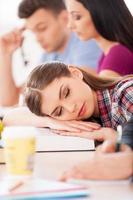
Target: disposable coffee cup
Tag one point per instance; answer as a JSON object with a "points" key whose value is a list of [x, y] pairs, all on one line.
{"points": [[19, 145]]}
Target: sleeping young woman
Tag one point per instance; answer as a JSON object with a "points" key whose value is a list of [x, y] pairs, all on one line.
{"points": [[76, 101]]}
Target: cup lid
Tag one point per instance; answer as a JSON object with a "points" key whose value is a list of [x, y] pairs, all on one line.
{"points": [[19, 131]]}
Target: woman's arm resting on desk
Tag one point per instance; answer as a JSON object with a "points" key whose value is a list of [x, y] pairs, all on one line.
{"points": [[103, 165], [22, 116]]}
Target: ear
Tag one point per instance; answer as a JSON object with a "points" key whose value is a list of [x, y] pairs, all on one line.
{"points": [[63, 15], [75, 72]]}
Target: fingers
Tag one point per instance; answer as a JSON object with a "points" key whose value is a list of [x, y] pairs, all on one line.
{"points": [[72, 173], [75, 126], [67, 133], [109, 147], [83, 134], [18, 35], [92, 125], [64, 177], [82, 127], [68, 128], [14, 36], [86, 125]]}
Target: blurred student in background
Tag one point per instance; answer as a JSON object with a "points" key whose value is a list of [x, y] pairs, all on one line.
{"points": [[48, 21], [110, 23]]}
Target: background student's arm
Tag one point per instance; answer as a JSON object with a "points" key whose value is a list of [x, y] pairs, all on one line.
{"points": [[9, 92], [104, 164], [108, 73]]}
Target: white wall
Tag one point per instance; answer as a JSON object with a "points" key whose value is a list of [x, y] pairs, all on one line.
{"points": [[8, 21]]}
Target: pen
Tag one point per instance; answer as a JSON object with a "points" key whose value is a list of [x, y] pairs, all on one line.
{"points": [[23, 55], [15, 186], [118, 140]]}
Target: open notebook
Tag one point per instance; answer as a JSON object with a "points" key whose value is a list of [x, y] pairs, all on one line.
{"points": [[48, 141], [42, 189]]}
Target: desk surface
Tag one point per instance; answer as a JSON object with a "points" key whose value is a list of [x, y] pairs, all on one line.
{"points": [[51, 166]]}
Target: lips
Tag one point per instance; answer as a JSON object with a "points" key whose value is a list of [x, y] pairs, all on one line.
{"points": [[82, 110], [45, 46]]}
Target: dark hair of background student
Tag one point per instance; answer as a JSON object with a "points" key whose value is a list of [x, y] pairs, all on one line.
{"points": [[28, 7], [112, 20]]}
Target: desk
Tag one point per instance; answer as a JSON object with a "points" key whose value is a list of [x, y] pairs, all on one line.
{"points": [[50, 165]]}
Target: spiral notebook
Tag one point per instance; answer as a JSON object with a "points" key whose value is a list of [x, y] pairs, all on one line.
{"points": [[42, 189]]}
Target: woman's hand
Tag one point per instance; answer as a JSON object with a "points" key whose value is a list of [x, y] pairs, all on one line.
{"points": [[73, 128], [95, 133], [103, 165]]}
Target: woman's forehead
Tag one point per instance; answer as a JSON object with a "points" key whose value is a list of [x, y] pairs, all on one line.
{"points": [[50, 95], [54, 86]]}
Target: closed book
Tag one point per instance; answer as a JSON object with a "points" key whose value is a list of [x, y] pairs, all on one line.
{"points": [[49, 141]]}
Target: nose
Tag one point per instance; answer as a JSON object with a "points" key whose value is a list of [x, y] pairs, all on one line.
{"points": [[70, 107], [70, 23]]}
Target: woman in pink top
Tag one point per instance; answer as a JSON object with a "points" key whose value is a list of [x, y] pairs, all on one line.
{"points": [[111, 24]]}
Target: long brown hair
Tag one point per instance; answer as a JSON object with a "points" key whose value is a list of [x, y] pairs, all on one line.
{"points": [[44, 74]]}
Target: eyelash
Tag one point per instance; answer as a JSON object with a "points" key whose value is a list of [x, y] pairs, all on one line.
{"points": [[42, 29], [61, 110], [67, 93], [76, 17]]}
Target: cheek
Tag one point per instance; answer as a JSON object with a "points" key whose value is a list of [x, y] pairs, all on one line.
{"points": [[81, 25], [66, 116], [91, 27], [88, 22]]}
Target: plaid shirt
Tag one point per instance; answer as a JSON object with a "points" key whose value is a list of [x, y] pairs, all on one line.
{"points": [[116, 104]]}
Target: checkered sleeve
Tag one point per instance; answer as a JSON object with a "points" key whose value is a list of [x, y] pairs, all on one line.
{"points": [[126, 101]]}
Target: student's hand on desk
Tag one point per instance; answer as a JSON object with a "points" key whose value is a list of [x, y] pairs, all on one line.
{"points": [[99, 134], [74, 127], [11, 41], [109, 147], [103, 166]]}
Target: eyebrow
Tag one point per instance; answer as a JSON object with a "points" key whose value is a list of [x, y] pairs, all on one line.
{"points": [[75, 12], [39, 24], [60, 92]]}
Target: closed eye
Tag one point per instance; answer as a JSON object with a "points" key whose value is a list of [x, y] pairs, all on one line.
{"points": [[76, 16], [59, 112], [66, 92]]}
